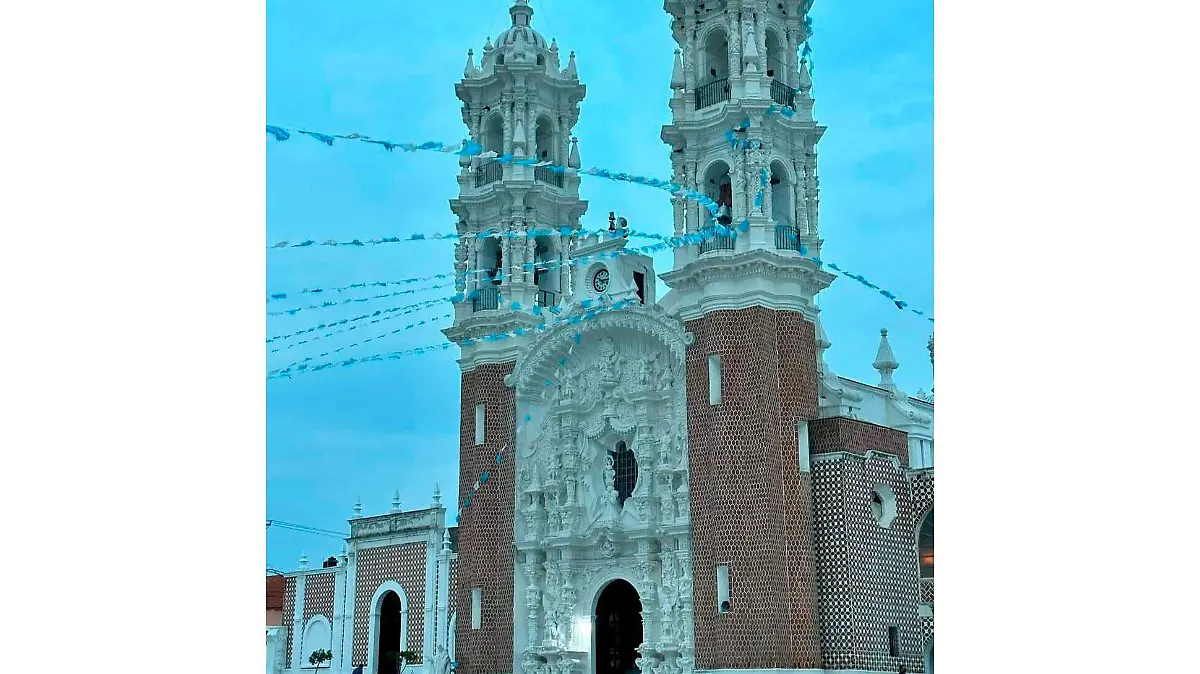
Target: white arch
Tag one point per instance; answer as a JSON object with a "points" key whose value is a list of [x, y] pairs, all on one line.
{"points": [[376, 607], [312, 631], [597, 588]]}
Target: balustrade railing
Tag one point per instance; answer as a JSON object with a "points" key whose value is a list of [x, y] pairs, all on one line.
{"points": [[543, 174], [783, 94], [489, 172], [488, 298], [787, 237], [716, 242], [712, 93]]}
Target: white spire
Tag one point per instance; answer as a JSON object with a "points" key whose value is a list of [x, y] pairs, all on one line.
{"points": [[445, 540], [303, 561], [885, 362], [396, 502], [519, 138], [571, 71], [487, 44], [823, 343], [358, 508], [437, 495], [677, 71], [345, 553], [469, 70], [750, 55], [805, 78], [573, 159]]}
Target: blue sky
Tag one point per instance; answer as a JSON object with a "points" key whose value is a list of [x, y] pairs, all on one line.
{"points": [[387, 70]]}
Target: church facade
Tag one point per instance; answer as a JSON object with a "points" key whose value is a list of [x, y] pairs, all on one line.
{"points": [[669, 484]]}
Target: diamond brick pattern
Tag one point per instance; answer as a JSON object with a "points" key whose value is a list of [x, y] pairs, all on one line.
{"points": [[485, 531], [452, 595], [750, 505], [318, 596], [840, 434], [404, 564], [868, 574], [289, 615]]}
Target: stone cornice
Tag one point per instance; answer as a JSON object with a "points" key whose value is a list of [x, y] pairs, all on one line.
{"points": [[737, 280]]}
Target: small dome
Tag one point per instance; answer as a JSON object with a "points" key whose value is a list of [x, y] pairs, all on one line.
{"points": [[522, 17]]}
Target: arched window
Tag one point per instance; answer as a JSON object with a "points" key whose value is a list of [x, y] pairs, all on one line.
{"points": [[776, 66], [625, 470], [781, 195], [541, 60], [499, 59], [719, 188], [493, 136], [925, 546], [714, 61], [547, 149]]}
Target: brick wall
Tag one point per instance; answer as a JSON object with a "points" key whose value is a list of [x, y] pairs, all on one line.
{"points": [[404, 564], [868, 573], [318, 597], [839, 434], [289, 608], [485, 531], [750, 504]]}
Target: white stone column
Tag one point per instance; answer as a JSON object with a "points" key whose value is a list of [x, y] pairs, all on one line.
{"points": [[348, 622], [339, 609], [428, 628], [443, 638], [298, 624]]}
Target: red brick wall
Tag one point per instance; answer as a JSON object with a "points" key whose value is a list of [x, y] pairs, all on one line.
{"points": [[839, 434], [485, 534], [751, 507], [404, 564]]}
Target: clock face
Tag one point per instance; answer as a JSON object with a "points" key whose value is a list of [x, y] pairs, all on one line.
{"points": [[600, 281]]}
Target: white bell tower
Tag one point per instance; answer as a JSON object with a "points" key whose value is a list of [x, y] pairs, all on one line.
{"points": [[736, 70], [520, 104]]}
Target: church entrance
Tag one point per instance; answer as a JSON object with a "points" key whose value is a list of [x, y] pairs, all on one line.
{"points": [[388, 654], [618, 629]]}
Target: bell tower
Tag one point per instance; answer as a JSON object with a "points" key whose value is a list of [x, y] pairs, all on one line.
{"points": [[742, 133], [520, 104]]}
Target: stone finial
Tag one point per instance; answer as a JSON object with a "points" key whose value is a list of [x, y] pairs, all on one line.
{"points": [[487, 45], [303, 561], [553, 44], [677, 71], [885, 362], [573, 158], [345, 553], [750, 53], [358, 509], [437, 495], [445, 540], [469, 70], [396, 502], [805, 78], [571, 71], [823, 344], [930, 347], [519, 137]]}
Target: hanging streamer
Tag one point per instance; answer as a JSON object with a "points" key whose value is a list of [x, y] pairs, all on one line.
{"points": [[410, 326], [403, 309], [330, 304], [275, 297], [593, 308], [468, 148], [565, 232]]}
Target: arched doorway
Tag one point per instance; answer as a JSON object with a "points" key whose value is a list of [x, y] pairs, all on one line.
{"points": [[618, 629], [388, 646]]}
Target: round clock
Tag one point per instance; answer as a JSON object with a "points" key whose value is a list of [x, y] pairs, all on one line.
{"points": [[600, 281]]}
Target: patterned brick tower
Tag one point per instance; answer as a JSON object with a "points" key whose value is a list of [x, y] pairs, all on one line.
{"points": [[749, 302], [519, 103]]}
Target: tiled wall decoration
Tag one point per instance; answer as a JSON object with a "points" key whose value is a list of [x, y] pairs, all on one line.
{"points": [[868, 573], [750, 507], [485, 530], [318, 596], [289, 613], [404, 564]]}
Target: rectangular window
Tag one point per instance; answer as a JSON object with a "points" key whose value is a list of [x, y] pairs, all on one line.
{"points": [[480, 419], [476, 608], [639, 279], [894, 641], [723, 589], [802, 445], [714, 379]]}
